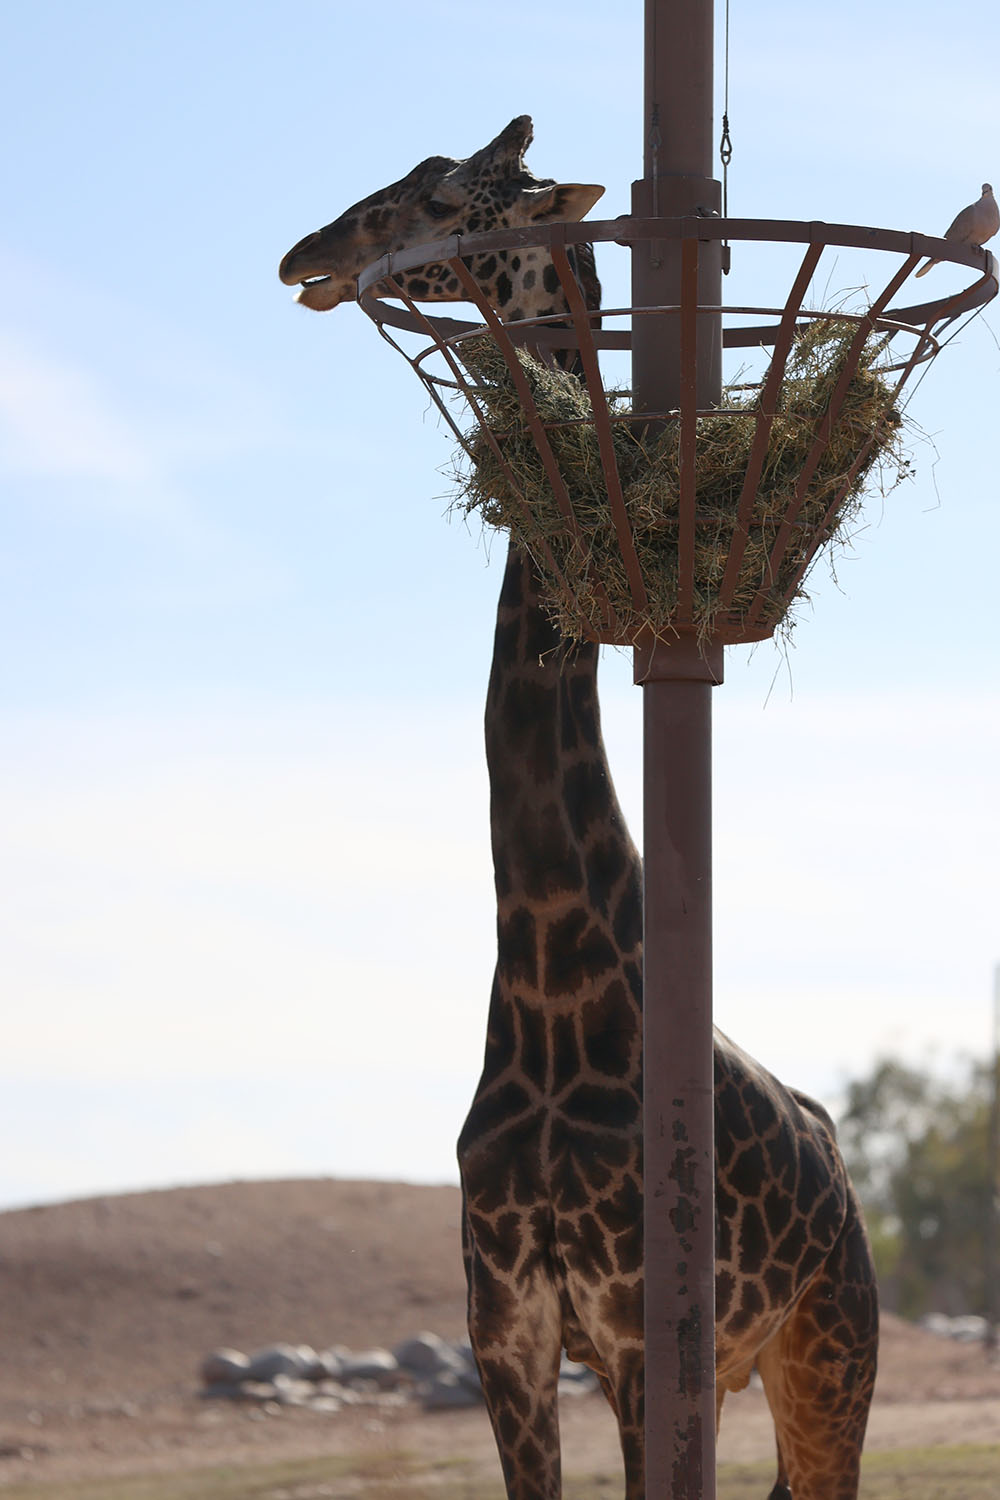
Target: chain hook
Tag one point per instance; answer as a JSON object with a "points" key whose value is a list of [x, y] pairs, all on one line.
{"points": [[726, 156]]}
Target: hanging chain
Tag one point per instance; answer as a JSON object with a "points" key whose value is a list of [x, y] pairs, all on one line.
{"points": [[726, 151], [726, 154]]}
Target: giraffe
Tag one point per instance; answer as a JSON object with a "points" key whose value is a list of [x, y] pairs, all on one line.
{"points": [[551, 1152]]}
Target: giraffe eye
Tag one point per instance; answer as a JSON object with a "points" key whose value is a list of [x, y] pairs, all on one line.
{"points": [[437, 209]]}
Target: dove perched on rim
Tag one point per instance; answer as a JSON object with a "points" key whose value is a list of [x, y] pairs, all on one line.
{"points": [[973, 226]]}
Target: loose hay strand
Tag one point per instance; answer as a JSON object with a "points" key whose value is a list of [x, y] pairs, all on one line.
{"points": [[864, 433]]}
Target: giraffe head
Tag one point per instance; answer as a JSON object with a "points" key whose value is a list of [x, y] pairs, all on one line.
{"points": [[491, 190]]}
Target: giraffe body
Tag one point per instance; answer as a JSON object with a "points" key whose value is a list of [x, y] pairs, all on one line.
{"points": [[551, 1151]]}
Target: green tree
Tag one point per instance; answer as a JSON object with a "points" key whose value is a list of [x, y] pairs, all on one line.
{"points": [[917, 1150]]}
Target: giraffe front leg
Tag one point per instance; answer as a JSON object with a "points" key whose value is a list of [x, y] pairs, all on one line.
{"points": [[625, 1391], [606, 1333], [514, 1327]]}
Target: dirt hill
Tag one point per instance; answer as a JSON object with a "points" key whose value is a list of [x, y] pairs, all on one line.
{"points": [[126, 1294], [110, 1304]]}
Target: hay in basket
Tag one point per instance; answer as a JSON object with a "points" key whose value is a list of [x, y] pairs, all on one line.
{"points": [[867, 427]]}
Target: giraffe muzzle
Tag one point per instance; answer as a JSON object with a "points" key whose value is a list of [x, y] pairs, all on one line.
{"points": [[290, 272]]}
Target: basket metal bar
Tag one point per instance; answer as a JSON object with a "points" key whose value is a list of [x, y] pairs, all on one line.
{"points": [[587, 355], [947, 309], [539, 436], [765, 421], [602, 423], [447, 337], [432, 327], [823, 429], [469, 393], [431, 384], [626, 230], [517, 375], [821, 534], [551, 332]]}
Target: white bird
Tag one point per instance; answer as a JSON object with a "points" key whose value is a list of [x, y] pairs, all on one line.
{"points": [[973, 226]]}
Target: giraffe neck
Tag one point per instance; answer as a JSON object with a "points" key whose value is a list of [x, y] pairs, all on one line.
{"points": [[568, 876], [527, 284], [519, 283], [562, 853]]}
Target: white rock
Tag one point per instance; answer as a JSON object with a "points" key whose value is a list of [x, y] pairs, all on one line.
{"points": [[224, 1366], [448, 1390], [325, 1404], [328, 1365], [376, 1365], [426, 1354], [276, 1359], [292, 1392], [969, 1328]]}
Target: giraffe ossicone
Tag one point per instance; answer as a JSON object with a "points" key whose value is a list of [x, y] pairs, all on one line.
{"points": [[551, 1151]]}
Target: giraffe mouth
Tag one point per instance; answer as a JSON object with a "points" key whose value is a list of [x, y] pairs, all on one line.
{"points": [[322, 293], [305, 267]]}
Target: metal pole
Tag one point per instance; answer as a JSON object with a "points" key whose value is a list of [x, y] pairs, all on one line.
{"points": [[677, 182], [678, 1094], [677, 678]]}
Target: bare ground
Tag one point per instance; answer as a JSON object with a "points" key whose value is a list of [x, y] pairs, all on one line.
{"points": [[107, 1307]]}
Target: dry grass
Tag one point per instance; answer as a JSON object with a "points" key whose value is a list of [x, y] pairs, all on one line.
{"points": [[969, 1472], [508, 486]]}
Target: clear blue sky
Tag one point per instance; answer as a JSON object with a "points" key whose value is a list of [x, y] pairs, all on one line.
{"points": [[245, 890]]}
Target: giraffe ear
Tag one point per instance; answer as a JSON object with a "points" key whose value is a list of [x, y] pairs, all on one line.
{"points": [[563, 200]]}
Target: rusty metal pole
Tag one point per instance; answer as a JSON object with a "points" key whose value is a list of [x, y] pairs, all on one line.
{"points": [[677, 679]]}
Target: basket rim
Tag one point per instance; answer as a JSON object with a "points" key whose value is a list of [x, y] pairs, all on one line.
{"points": [[630, 231]]}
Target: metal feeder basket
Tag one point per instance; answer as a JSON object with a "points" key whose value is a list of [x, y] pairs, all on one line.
{"points": [[702, 522]]}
